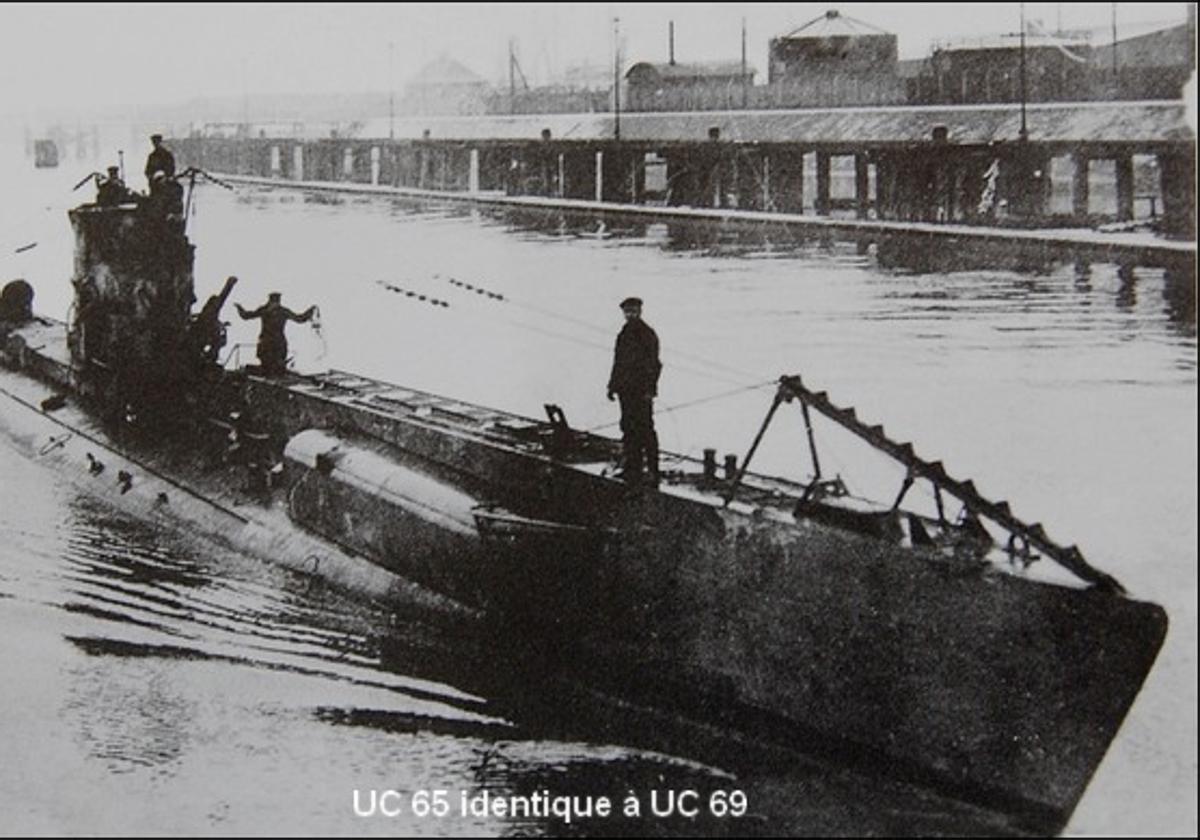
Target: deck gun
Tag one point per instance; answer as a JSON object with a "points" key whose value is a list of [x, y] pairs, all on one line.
{"points": [[206, 330]]}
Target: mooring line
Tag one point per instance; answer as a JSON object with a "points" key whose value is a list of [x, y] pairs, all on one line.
{"points": [[668, 409], [502, 298], [697, 370]]}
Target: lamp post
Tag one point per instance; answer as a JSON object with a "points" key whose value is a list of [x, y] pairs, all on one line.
{"points": [[617, 78], [1024, 135], [745, 92], [391, 92], [1116, 77]]}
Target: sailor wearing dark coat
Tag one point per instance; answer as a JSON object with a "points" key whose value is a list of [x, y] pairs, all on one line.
{"points": [[272, 343], [111, 191], [634, 381], [159, 160]]}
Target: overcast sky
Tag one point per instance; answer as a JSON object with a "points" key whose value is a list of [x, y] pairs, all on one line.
{"points": [[70, 55]]}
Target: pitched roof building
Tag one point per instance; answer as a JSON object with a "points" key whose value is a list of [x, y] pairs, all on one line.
{"points": [[672, 86], [832, 45], [444, 86]]}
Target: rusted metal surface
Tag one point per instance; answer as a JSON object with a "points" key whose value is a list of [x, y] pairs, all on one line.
{"points": [[999, 688]]}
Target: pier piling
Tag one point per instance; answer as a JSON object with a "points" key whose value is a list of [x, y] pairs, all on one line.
{"points": [[862, 195], [786, 187], [1177, 174], [1079, 185], [823, 183], [1124, 179], [958, 164]]}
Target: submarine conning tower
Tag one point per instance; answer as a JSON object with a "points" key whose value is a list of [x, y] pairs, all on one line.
{"points": [[133, 296]]}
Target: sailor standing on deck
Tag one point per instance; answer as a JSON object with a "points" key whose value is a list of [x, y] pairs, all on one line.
{"points": [[634, 380], [111, 191], [159, 160], [165, 201], [272, 343]]}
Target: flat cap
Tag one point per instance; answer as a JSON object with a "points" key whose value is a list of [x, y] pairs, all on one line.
{"points": [[631, 303], [155, 136]]}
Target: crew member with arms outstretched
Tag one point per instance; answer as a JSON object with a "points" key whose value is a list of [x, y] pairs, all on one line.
{"points": [[272, 343]]}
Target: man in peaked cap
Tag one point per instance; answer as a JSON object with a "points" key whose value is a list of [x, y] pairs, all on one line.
{"points": [[634, 380], [160, 159], [111, 191], [272, 343]]}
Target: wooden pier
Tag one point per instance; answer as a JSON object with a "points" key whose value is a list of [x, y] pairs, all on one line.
{"points": [[1138, 249], [975, 173]]}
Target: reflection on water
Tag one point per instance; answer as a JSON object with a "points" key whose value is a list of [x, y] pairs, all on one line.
{"points": [[777, 241], [178, 687], [1179, 292], [1022, 268], [126, 724], [243, 695]]}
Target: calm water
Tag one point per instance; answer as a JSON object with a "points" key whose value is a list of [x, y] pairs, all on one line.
{"points": [[154, 683]]}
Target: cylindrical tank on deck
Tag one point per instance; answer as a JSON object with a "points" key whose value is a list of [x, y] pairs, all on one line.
{"points": [[400, 514]]}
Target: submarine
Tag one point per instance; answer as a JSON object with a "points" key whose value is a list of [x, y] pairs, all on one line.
{"points": [[910, 643]]}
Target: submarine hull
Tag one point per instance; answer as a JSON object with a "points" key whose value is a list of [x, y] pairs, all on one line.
{"points": [[1000, 689], [1003, 689]]}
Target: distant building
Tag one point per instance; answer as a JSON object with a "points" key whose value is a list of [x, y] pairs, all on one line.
{"points": [[909, 71], [231, 128], [1153, 63], [582, 89], [833, 61], [1150, 65], [588, 76], [1057, 69], [832, 45], [549, 99], [444, 87], [45, 154], [687, 87]]}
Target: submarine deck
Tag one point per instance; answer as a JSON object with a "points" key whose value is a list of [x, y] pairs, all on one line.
{"points": [[47, 352], [815, 634], [590, 456], [583, 451]]}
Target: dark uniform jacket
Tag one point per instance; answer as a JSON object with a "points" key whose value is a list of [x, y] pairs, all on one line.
{"points": [[635, 362], [166, 198], [274, 318], [160, 159], [111, 192]]}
